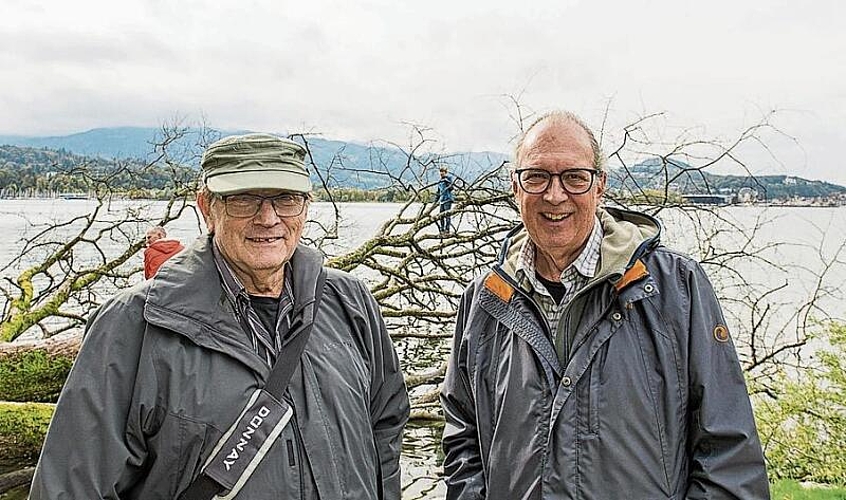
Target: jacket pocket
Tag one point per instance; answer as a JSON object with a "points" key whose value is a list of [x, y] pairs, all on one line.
{"points": [[589, 397], [181, 446], [595, 394]]}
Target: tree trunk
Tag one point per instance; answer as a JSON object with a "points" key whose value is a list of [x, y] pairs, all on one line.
{"points": [[16, 478], [22, 430], [36, 370]]}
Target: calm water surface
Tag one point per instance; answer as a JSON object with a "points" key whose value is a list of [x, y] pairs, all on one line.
{"points": [[812, 236]]}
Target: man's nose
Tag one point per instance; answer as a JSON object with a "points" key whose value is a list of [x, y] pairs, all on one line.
{"points": [[266, 213], [555, 193]]}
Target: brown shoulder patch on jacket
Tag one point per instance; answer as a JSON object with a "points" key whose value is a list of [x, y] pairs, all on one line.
{"points": [[634, 273], [499, 287]]}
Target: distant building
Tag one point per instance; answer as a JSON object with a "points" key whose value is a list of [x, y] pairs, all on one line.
{"points": [[747, 195], [708, 199]]}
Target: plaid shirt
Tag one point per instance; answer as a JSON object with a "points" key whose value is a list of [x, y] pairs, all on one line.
{"points": [[574, 277], [267, 344]]}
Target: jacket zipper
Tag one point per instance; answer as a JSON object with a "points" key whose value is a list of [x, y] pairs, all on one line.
{"points": [[539, 312], [298, 439], [565, 318]]}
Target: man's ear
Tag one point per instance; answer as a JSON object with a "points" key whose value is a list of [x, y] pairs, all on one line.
{"points": [[600, 184], [204, 203]]}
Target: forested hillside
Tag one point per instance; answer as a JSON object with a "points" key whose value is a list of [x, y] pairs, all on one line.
{"points": [[353, 170]]}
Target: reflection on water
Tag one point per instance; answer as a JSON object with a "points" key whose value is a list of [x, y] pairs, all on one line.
{"points": [[421, 462], [419, 355], [421, 451]]}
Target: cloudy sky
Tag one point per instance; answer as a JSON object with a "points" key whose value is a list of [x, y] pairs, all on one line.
{"points": [[365, 70]]}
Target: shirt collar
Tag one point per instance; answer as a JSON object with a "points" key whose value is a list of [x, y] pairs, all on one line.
{"points": [[585, 264], [233, 286]]}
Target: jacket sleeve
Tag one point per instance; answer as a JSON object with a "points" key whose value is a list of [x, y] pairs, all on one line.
{"points": [[463, 471], [88, 451], [727, 461], [389, 406]]}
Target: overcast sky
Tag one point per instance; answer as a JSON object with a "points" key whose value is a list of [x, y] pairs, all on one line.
{"points": [[365, 70]]}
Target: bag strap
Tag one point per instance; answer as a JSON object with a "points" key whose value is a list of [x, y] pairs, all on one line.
{"points": [[205, 488], [288, 360]]}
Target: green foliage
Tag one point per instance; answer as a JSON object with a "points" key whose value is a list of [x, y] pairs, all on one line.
{"points": [[19, 493], [33, 376], [803, 430], [651, 197], [22, 430], [792, 490], [46, 171]]}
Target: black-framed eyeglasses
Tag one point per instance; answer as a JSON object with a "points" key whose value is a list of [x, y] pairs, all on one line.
{"points": [[248, 205], [574, 180]]}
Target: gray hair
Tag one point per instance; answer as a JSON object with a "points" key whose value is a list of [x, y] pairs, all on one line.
{"points": [[564, 117], [206, 193], [157, 230]]}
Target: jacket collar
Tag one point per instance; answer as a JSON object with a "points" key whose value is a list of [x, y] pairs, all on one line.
{"points": [[629, 235], [187, 298]]}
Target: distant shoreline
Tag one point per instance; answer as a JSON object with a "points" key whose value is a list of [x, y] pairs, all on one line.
{"points": [[118, 197]]}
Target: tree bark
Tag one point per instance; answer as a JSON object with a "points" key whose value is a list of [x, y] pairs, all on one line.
{"points": [[36, 370], [16, 478]]}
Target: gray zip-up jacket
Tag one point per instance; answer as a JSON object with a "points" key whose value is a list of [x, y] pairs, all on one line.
{"points": [[165, 368], [649, 404]]}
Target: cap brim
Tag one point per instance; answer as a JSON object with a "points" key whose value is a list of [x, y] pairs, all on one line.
{"points": [[238, 182]]}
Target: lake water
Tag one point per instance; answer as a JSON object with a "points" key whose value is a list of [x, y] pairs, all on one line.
{"points": [[810, 240]]}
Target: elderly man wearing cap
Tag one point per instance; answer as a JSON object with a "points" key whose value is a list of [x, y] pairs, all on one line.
{"points": [[176, 392]]}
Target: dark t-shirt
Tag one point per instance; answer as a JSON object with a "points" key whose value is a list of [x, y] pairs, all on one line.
{"points": [[555, 288], [267, 308]]}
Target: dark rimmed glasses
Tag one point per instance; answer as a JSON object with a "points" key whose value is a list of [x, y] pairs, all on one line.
{"points": [[574, 180], [242, 206]]}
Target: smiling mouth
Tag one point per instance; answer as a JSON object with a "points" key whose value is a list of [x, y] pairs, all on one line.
{"points": [[555, 217], [265, 240]]}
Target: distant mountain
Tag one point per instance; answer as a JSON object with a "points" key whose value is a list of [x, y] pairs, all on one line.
{"points": [[653, 173], [113, 142], [364, 166]]}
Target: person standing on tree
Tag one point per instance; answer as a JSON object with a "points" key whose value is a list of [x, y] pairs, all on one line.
{"points": [[445, 198]]}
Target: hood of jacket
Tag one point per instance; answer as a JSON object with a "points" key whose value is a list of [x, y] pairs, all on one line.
{"points": [[165, 246], [628, 236]]}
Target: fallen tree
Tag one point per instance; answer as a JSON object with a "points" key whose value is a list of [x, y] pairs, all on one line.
{"points": [[35, 370], [16, 478], [416, 275]]}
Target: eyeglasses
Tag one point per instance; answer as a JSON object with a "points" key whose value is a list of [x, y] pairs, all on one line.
{"points": [[574, 180], [248, 205]]}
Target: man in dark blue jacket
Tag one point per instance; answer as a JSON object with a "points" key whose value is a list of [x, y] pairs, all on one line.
{"points": [[445, 198]]}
